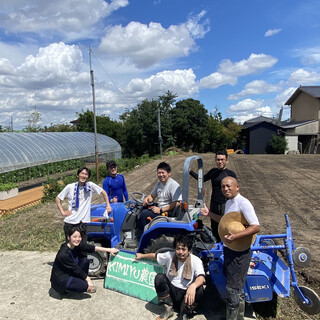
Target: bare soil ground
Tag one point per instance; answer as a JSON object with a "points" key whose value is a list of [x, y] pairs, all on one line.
{"points": [[275, 184]]}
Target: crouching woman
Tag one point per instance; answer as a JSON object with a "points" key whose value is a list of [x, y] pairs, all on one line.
{"points": [[70, 267]]}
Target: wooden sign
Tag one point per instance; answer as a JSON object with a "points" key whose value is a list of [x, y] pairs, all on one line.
{"points": [[133, 277]]}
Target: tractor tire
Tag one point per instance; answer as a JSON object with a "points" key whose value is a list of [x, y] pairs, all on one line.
{"points": [[98, 262], [161, 244], [313, 307]]}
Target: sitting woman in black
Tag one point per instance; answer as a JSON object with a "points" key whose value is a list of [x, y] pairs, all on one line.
{"points": [[70, 267]]}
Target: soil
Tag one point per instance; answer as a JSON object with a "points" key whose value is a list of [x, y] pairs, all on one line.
{"points": [[275, 184]]}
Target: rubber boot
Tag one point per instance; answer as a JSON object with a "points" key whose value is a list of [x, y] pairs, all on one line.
{"points": [[232, 313], [167, 308], [242, 307]]}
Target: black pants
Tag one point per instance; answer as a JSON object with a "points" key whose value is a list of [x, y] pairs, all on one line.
{"points": [[217, 208], [76, 284], [83, 227], [147, 215], [164, 288]]}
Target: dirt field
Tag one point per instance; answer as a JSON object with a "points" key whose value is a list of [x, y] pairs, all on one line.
{"points": [[275, 184]]}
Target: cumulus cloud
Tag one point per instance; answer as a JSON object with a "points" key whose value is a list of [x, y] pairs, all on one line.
{"points": [[63, 15], [245, 105], [255, 87], [272, 32], [304, 77], [181, 82], [283, 97], [228, 71], [146, 45]]}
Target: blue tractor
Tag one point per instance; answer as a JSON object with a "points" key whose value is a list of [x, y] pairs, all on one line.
{"points": [[268, 272]]}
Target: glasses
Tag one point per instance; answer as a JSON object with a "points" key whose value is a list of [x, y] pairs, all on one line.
{"points": [[222, 160]]}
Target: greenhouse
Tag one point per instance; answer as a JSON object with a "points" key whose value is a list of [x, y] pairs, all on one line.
{"points": [[24, 150]]}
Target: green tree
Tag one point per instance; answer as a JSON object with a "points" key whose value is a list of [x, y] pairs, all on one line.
{"points": [[190, 119], [33, 120], [59, 128], [277, 145]]}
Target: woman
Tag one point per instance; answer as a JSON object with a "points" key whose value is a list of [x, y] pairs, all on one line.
{"points": [[70, 267]]}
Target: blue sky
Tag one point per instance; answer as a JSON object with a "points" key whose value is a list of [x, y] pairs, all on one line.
{"points": [[242, 58]]}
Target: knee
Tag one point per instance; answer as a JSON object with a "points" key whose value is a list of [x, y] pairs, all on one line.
{"points": [[159, 279], [233, 297]]}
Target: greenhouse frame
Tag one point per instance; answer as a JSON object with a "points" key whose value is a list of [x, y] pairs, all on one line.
{"points": [[24, 150]]}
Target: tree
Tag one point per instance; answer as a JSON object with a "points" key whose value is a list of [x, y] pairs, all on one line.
{"points": [[33, 120], [59, 128], [277, 145], [190, 119]]}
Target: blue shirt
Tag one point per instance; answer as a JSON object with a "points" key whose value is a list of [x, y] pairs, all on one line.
{"points": [[116, 187]]}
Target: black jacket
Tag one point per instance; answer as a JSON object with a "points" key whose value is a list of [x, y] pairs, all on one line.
{"points": [[65, 266]]}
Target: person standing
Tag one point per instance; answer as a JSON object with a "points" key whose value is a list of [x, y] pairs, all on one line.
{"points": [[114, 184], [168, 192], [79, 197], [182, 285], [218, 200], [236, 249]]}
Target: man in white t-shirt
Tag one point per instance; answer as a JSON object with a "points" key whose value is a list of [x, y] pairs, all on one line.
{"points": [[236, 263], [182, 285], [79, 197], [168, 192]]}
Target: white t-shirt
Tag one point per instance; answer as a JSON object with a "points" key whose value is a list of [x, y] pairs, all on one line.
{"points": [[243, 205], [83, 212], [165, 259], [167, 193]]}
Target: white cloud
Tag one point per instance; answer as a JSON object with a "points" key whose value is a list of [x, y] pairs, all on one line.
{"points": [[146, 45], [217, 79], [308, 56], [62, 15], [245, 105], [283, 97], [304, 77], [272, 32], [255, 87]]}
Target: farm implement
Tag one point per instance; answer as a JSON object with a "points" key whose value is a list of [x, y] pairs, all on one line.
{"points": [[273, 258]]}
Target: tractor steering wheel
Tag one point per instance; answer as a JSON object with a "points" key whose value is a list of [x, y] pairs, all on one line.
{"points": [[138, 197]]}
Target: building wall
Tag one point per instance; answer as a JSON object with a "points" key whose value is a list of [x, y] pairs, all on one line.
{"points": [[305, 108], [260, 136], [292, 143]]}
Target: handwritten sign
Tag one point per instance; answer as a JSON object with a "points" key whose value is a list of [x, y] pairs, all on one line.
{"points": [[132, 277]]}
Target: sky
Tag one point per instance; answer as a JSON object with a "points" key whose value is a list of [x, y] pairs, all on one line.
{"points": [[240, 58]]}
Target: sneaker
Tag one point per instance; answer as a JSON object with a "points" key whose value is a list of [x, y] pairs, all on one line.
{"points": [[167, 312], [54, 294]]}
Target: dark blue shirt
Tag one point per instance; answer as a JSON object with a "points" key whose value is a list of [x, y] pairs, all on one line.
{"points": [[116, 187]]}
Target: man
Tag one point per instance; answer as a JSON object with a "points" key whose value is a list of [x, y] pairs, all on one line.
{"points": [[218, 200], [236, 263], [114, 184], [168, 192], [79, 197], [182, 285]]}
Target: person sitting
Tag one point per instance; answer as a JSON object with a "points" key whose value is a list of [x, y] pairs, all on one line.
{"points": [[182, 285], [114, 184], [70, 267], [168, 192]]}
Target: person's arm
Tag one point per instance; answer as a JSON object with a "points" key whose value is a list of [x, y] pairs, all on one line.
{"points": [[151, 256], [65, 213], [251, 230], [112, 251], [206, 212], [193, 174], [148, 199], [125, 191], [191, 291], [106, 199]]}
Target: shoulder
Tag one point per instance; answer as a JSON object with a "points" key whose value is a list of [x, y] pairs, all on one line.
{"points": [[174, 182], [231, 173]]}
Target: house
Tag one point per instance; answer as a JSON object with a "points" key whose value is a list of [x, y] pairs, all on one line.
{"points": [[257, 132], [304, 126]]}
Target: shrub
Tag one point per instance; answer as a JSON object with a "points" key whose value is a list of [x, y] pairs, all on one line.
{"points": [[277, 145], [51, 189], [8, 186]]}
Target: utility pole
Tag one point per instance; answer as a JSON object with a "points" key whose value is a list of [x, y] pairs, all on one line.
{"points": [[94, 119], [159, 126]]}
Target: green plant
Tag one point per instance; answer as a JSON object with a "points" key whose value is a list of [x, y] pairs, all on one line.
{"points": [[277, 145], [51, 189], [8, 186]]}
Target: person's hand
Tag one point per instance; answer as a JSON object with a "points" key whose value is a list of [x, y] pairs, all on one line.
{"points": [[66, 213], [204, 211], [113, 251], [108, 208], [190, 295], [147, 200], [91, 286], [113, 200], [139, 256], [229, 237], [155, 210]]}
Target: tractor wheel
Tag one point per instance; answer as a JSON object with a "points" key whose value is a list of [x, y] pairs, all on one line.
{"points": [[313, 307], [301, 257], [161, 244], [98, 262]]}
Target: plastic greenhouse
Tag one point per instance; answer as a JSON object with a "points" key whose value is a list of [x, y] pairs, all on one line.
{"points": [[23, 150]]}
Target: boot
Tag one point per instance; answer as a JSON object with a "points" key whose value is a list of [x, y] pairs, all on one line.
{"points": [[232, 313], [242, 307], [167, 308], [186, 311]]}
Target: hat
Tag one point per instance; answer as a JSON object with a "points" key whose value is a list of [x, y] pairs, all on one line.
{"points": [[235, 222], [111, 163]]}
